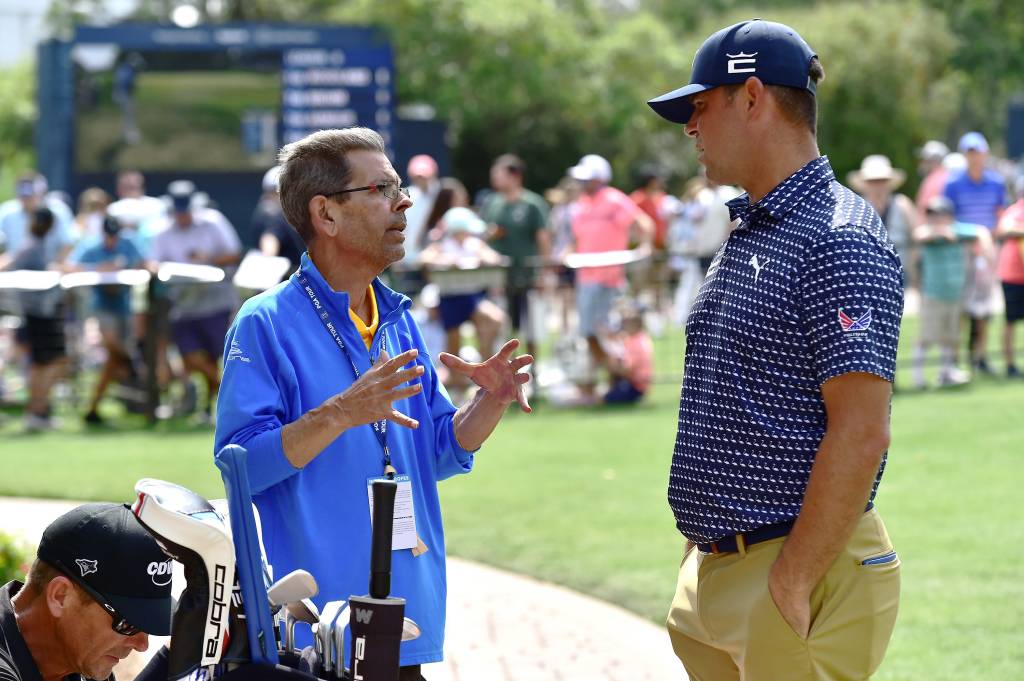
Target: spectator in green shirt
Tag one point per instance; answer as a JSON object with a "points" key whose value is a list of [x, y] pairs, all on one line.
{"points": [[517, 220], [943, 281]]}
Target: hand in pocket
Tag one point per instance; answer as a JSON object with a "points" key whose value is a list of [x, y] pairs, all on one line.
{"points": [[793, 604]]}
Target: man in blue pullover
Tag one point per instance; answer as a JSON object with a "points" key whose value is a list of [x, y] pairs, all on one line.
{"points": [[328, 385]]}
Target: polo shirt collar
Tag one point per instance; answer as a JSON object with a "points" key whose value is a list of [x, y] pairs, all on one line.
{"points": [[10, 635], [787, 195]]}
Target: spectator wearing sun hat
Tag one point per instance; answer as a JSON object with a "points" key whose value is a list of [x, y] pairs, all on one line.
{"points": [[877, 181]]}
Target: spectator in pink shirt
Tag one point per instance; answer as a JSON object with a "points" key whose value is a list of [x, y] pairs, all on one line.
{"points": [[631, 361], [934, 173], [605, 220], [1010, 231]]}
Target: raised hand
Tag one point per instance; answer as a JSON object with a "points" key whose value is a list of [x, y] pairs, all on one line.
{"points": [[372, 396], [498, 375]]}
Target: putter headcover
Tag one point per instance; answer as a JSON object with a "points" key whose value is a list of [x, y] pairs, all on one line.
{"points": [[189, 530]]}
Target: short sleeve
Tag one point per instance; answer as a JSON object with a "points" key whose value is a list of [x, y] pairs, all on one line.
{"points": [[626, 211], [132, 252], [851, 303], [541, 209]]}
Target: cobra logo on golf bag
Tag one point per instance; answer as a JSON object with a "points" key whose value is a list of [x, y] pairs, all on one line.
{"points": [[216, 610], [364, 616]]}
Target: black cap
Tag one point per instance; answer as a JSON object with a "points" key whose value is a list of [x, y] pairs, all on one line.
{"points": [[111, 225], [773, 52], [103, 548], [42, 216]]}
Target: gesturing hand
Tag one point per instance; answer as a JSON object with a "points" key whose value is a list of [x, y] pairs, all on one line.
{"points": [[370, 398], [499, 375]]}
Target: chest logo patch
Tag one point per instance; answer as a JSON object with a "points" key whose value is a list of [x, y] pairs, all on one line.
{"points": [[851, 325], [757, 265], [236, 352]]}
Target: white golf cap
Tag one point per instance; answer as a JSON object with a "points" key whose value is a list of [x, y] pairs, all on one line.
{"points": [[592, 167]]}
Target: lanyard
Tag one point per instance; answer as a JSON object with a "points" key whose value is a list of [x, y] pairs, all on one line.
{"points": [[380, 428]]}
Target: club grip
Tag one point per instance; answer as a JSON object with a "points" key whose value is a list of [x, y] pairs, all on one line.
{"points": [[383, 522]]}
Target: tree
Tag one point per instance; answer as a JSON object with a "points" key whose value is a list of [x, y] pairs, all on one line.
{"points": [[17, 122], [889, 85], [529, 77]]}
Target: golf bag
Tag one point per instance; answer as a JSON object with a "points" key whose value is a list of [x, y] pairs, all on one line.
{"points": [[223, 626]]}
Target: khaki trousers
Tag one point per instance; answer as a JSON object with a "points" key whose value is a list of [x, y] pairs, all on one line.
{"points": [[724, 624]]}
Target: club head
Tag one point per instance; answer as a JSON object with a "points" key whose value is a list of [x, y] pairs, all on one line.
{"points": [[325, 629], [410, 630], [321, 643], [338, 637], [294, 586], [303, 611]]}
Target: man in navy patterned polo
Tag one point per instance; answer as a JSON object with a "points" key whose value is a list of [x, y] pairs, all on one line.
{"points": [[788, 572]]}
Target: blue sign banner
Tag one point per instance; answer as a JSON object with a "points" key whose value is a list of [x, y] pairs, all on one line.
{"points": [[336, 88], [222, 36]]}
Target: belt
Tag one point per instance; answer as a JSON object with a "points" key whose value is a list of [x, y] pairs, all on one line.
{"points": [[739, 542]]}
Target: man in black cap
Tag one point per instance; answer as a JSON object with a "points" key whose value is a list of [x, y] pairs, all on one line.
{"points": [[788, 572], [98, 588]]}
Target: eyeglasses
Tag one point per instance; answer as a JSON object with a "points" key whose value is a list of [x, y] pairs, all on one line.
{"points": [[119, 624], [390, 190]]}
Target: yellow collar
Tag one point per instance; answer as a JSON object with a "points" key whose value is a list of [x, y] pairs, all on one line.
{"points": [[367, 331]]}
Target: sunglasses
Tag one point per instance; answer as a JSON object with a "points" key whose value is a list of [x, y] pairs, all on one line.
{"points": [[119, 623]]}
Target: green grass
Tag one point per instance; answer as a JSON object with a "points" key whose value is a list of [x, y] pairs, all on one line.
{"points": [[578, 497], [189, 119]]}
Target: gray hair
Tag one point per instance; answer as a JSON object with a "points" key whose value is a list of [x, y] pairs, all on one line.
{"points": [[318, 164]]}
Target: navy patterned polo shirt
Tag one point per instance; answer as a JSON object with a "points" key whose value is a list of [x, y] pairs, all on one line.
{"points": [[806, 288]]}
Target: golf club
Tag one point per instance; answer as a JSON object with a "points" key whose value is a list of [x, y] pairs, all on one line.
{"points": [[291, 588], [338, 636], [304, 610], [325, 629]]}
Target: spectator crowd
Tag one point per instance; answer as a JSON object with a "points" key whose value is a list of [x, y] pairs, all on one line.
{"points": [[583, 273]]}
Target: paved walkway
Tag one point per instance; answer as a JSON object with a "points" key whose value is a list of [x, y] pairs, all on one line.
{"points": [[501, 626]]}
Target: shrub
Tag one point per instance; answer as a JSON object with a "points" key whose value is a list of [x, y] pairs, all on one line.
{"points": [[15, 558]]}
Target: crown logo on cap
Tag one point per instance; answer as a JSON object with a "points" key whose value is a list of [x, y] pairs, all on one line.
{"points": [[87, 566], [744, 60]]}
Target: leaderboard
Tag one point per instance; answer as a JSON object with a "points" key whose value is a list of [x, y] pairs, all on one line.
{"points": [[327, 87]]}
